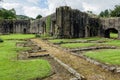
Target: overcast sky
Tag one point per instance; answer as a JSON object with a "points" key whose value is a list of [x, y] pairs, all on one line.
{"points": [[32, 8]]}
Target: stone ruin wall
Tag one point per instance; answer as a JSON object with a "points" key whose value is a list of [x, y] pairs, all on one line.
{"points": [[72, 23], [110, 24], [14, 26], [40, 25], [64, 23], [21, 26]]}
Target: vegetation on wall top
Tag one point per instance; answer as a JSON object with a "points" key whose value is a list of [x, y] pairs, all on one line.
{"points": [[111, 13]]}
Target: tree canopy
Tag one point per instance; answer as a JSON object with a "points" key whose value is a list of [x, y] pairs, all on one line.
{"points": [[116, 11], [7, 14], [39, 16], [111, 13]]}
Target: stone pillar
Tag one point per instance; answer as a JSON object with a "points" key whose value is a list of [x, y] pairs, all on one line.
{"points": [[63, 22]]}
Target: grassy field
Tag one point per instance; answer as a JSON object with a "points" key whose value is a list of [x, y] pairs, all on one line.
{"points": [[13, 69], [77, 45], [108, 56], [113, 43], [76, 39], [113, 35], [17, 36]]}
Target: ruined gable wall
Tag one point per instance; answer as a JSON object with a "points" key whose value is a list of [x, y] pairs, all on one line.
{"points": [[21, 26], [72, 23]]}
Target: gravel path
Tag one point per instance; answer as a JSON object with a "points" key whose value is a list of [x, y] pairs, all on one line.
{"points": [[90, 71]]}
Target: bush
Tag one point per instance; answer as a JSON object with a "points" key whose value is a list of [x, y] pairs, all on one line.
{"points": [[37, 35], [1, 41]]}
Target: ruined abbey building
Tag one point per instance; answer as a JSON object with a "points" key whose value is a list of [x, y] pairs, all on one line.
{"points": [[14, 26], [64, 23]]}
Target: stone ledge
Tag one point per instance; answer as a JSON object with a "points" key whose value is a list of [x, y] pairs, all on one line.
{"points": [[92, 48], [71, 70], [113, 69]]}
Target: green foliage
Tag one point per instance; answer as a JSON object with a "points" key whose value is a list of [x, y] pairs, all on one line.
{"points": [[38, 17], [38, 35], [105, 13], [13, 69], [111, 13], [116, 11], [7, 14], [22, 17], [48, 24], [1, 40], [108, 56]]}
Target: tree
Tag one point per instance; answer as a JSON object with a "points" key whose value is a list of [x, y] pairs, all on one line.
{"points": [[7, 14], [101, 14], [105, 13], [89, 12], [38, 17], [116, 11]]}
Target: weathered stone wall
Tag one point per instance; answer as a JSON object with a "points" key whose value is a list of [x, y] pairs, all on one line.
{"points": [[45, 25], [21, 26], [64, 23], [72, 23], [38, 26], [14, 26], [109, 24]]}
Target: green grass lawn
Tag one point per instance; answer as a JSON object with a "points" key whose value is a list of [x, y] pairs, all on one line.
{"points": [[77, 45], [113, 43], [114, 35], [76, 39], [13, 69], [108, 56], [17, 36]]}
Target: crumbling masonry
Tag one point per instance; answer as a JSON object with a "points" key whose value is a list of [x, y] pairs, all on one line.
{"points": [[64, 23]]}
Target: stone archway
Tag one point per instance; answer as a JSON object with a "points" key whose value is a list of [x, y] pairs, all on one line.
{"points": [[109, 31]]}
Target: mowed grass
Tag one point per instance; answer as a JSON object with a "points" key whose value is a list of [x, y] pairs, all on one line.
{"points": [[114, 35], [113, 43], [17, 36], [108, 56], [13, 69], [77, 45], [76, 39]]}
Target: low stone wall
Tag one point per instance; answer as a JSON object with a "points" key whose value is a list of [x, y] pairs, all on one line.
{"points": [[71, 70], [114, 69], [80, 41], [26, 55], [92, 48]]}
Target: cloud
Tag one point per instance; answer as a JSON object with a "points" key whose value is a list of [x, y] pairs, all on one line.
{"points": [[45, 7], [34, 1], [34, 11], [10, 6], [88, 7]]}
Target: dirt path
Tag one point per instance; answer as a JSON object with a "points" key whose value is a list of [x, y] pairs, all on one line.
{"points": [[90, 71]]}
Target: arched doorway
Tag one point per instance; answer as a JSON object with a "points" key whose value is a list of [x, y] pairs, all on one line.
{"points": [[111, 33], [24, 31]]}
